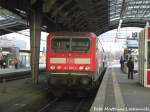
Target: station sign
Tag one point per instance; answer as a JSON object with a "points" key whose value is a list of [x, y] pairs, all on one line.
{"points": [[132, 44]]}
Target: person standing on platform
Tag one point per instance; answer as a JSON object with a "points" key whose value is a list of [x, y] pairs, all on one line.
{"points": [[4, 64], [16, 63], [122, 63], [1, 60], [130, 65], [1, 63]]}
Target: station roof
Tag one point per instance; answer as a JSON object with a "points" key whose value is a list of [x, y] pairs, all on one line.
{"points": [[134, 13], [97, 16], [10, 22]]}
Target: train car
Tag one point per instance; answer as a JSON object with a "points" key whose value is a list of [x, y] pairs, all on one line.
{"points": [[9, 55], [74, 58]]}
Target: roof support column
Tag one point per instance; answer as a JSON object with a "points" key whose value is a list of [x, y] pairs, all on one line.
{"points": [[35, 19]]}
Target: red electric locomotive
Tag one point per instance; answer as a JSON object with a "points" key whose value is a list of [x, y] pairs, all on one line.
{"points": [[73, 58]]}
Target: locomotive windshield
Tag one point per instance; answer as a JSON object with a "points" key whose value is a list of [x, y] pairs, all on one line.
{"points": [[71, 44], [79, 44], [60, 44]]}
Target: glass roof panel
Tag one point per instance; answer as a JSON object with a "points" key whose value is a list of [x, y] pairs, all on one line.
{"points": [[2, 18], [8, 18], [129, 9]]}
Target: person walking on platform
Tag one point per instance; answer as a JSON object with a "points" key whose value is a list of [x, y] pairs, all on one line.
{"points": [[122, 63], [130, 65], [4, 64], [1, 63], [16, 63]]}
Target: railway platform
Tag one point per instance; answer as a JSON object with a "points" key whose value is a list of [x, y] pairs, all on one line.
{"points": [[20, 73], [117, 93], [11, 70]]}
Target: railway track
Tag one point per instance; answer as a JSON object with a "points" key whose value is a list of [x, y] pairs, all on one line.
{"points": [[75, 103], [65, 104]]}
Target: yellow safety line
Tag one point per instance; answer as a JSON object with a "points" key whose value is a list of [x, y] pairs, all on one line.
{"points": [[117, 92]]}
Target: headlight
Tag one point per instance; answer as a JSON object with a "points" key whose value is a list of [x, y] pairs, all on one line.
{"points": [[87, 68], [59, 67], [81, 68], [52, 67]]}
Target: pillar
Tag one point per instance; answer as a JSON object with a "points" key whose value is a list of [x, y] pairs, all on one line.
{"points": [[35, 20]]}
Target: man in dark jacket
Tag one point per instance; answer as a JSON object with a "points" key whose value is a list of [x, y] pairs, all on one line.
{"points": [[1, 63], [122, 63], [130, 65]]}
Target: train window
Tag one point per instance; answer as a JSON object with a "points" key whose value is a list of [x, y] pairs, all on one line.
{"points": [[80, 44], [60, 44]]}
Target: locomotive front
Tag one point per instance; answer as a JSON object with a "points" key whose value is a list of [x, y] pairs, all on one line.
{"points": [[71, 58]]}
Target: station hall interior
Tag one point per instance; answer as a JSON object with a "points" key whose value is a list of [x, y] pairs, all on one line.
{"points": [[30, 66]]}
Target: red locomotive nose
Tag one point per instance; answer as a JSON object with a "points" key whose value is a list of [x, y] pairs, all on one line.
{"points": [[74, 58], [70, 55]]}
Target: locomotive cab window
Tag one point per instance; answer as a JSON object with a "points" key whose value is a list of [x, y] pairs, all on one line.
{"points": [[80, 44], [60, 44]]}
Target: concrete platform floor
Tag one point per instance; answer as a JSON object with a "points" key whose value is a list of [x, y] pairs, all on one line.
{"points": [[117, 93]]}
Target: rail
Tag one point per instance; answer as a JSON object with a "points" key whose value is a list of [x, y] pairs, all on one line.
{"points": [[64, 104]]}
